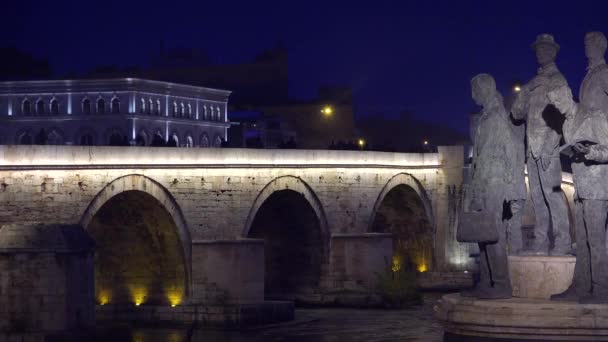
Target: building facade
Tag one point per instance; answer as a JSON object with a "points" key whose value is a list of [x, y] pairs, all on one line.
{"points": [[115, 112]]}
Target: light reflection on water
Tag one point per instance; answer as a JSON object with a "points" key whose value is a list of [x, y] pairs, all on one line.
{"points": [[320, 325]]}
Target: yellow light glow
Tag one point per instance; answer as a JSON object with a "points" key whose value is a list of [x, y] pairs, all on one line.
{"points": [[139, 294], [327, 110], [422, 268], [426, 142], [517, 89], [103, 297], [396, 263], [175, 296], [361, 142], [137, 303]]}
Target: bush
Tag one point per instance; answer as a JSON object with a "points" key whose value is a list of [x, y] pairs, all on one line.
{"points": [[396, 286]]}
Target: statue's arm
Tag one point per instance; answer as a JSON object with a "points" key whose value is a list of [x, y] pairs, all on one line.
{"points": [[519, 109], [598, 153]]}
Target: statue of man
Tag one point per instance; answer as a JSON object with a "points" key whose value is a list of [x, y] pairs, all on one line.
{"points": [[594, 89], [491, 187], [590, 172], [543, 133]]}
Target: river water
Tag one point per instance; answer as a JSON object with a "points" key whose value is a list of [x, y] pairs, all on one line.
{"points": [[323, 325]]}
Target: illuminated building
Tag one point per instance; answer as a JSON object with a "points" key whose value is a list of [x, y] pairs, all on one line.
{"points": [[124, 111]]}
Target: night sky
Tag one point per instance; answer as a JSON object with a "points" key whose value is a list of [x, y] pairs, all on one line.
{"points": [[399, 55]]}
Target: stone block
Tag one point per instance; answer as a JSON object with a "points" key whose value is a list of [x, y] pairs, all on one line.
{"points": [[540, 276]]}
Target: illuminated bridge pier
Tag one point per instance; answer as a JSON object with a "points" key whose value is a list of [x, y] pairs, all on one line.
{"points": [[233, 236]]}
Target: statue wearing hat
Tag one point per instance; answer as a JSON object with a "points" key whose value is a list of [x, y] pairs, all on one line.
{"points": [[543, 132]]}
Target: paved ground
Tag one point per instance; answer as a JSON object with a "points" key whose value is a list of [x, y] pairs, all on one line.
{"points": [[327, 325]]}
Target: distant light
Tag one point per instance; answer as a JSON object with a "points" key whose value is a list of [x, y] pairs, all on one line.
{"points": [[422, 268], [137, 304], [361, 142], [172, 305], [426, 142], [327, 110], [466, 272], [516, 88]]}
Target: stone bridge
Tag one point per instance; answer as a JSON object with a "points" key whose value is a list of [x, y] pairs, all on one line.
{"points": [[205, 226]]}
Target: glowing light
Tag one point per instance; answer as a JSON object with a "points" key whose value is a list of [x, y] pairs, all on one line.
{"points": [[103, 297], [175, 296], [361, 142], [137, 303], [69, 103], [421, 268], [466, 272], [327, 110], [396, 263], [517, 89], [426, 142], [139, 294]]}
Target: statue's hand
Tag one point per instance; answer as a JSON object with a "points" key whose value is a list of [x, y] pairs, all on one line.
{"points": [[582, 149]]}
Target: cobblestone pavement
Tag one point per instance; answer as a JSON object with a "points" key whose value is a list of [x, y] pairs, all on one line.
{"points": [[327, 325]]}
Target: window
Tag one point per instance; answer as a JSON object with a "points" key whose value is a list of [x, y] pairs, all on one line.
{"points": [[141, 139], [86, 106], [157, 107], [25, 139], [54, 107], [217, 142], [211, 113], [173, 141], [115, 106], [54, 138], [174, 109], [204, 112], [182, 112], [142, 106], [189, 111], [219, 114], [189, 141], [86, 140], [40, 107], [157, 140], [101, 106], [204, 141], [150, 106], [26, 107]]}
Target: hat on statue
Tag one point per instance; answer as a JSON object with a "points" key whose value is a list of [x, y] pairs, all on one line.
{"points": [[545, 38]]}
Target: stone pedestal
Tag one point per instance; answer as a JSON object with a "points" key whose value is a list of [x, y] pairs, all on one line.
{"points": [[523, 318], [540, 277]]}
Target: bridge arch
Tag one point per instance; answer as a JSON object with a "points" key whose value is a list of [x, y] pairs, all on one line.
{"points": [[404, 209], [289, 217], [148, 191]]}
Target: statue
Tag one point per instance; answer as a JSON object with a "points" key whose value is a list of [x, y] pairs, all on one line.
{"points": [[491, 191], [543, 135], [586, 130], [594, 89]]}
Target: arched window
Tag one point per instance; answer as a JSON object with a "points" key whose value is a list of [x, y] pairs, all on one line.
{"points": [[217, 142], [204, 141], [40, 107], [189, 141], [189, 111], [158, 107], [26, 107], [86, 106], [219, 114], [211, 113], [141, 139], [41, 137], [101, 106], [25, 138], [157, 140], [150, 106], [174, 109], [182, 111], [54, 138], [142, 106], [116, 139], [173, 141], [54, 107], [86, 140], [115, 106]]}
